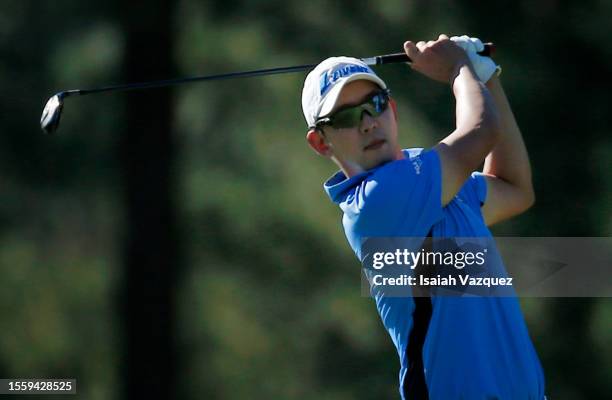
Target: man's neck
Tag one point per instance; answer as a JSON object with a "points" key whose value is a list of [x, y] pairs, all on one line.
{"points": [[351, 169]]}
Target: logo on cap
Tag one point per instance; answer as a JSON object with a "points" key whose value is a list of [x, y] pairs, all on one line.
{"points": [[343, 70]]}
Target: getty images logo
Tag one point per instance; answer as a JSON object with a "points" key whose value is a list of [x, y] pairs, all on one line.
{"points": [[329, 77]]}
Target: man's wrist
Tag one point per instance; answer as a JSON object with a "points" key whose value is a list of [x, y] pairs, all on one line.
{"points": [[465, 67], [493, 81]]}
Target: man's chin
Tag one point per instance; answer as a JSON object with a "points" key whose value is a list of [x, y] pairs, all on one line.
{"points": [[368, 161]]}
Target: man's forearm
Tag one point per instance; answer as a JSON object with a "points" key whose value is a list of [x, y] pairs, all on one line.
{"points": [[477, 122], [509, 159], [477, 130], [475, 107]]}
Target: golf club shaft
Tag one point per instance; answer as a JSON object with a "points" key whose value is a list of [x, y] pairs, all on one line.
{"points": [[50, 119], [376, 60], [171, 82]]}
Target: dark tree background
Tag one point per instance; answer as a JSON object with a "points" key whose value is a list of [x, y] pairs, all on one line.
{"points": [[178, 244], [147, 154]]}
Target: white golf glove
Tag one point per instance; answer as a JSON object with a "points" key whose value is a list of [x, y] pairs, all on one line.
{"points": [[484, 66]]}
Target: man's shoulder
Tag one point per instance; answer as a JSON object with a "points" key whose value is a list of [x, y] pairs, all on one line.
{"points": [[390, 178]]}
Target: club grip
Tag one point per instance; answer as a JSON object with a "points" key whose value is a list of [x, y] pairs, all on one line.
{"points": [[489, 49]]}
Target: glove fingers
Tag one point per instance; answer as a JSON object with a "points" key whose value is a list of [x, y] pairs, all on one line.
{"points": [[465, 43], [484, 67], [477, 44]]}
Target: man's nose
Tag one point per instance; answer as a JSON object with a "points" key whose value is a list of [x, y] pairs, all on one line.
{"points": [[368, 122]]}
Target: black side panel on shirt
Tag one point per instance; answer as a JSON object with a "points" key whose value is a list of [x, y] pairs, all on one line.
{"points": [[414, 385]]}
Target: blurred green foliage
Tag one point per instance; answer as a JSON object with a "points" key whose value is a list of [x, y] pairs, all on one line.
{"points": [[269, 302]]}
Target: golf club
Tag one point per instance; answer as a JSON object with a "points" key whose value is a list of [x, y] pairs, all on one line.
{"points": [[50, 119]]}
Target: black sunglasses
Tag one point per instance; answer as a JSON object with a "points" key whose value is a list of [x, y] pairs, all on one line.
{"points": [[350, 117]]}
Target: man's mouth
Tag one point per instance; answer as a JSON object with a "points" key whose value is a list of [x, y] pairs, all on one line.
{"points": [[375, 144]]}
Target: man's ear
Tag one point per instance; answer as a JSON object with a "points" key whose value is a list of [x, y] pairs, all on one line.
{"points": [[318, 143], [393, 105]]}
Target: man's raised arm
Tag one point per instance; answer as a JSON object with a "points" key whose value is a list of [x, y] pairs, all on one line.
{"points": [[507, 168], [477, 122]]}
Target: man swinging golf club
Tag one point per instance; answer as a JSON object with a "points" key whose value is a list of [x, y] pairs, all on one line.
{"points": [[452, 347]]}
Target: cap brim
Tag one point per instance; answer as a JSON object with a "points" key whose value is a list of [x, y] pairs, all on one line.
{"points": [[331, 98]]}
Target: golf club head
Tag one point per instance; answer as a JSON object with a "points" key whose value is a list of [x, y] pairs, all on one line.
{"points": [[50, 119]]}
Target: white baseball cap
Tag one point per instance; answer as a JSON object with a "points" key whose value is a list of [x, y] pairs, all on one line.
{"points": [[323, 84]]}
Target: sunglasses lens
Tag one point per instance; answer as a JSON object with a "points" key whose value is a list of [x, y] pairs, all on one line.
{"points": [[347, 118], [351, 117], [380, 102]]}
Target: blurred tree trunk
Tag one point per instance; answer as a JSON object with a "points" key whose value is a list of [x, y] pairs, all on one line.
{"points": [[148, 365]]}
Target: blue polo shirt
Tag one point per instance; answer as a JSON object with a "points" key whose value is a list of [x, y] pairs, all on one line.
{"points": [[474, 347]]}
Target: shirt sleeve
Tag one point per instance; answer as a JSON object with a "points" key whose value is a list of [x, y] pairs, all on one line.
{"points": [[401, 198], [474, 191]]}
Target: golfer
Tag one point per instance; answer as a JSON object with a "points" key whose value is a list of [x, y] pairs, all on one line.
{"points": [[450, 347]]}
